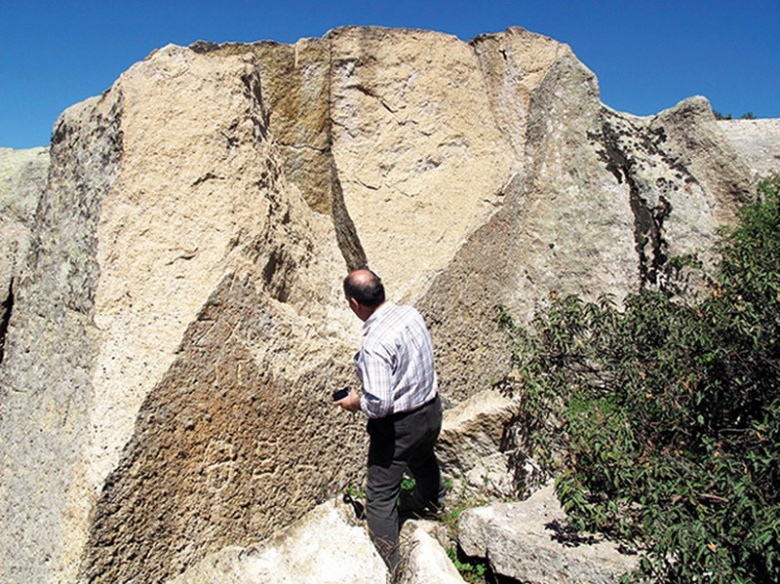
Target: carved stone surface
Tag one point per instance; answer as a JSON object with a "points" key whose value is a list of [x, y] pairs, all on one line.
{"points": [[178, 323]]}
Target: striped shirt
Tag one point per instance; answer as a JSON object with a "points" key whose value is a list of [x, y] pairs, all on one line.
{"points": [[395, 363]]}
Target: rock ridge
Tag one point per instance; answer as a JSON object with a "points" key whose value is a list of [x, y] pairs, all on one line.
{"points": [[177, 323]]}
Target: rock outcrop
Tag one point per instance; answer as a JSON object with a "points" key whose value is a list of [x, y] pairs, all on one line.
{"points": [[178, 322], [325, 546], [23, 176], [425, 560], [758, 141]]}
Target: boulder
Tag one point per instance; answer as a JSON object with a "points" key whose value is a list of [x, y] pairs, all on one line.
{"points": [[424, 558], [178, 323], [528, 541], [326, 546], [329, 545], [177, 332], [477, 449], [475, 428]]}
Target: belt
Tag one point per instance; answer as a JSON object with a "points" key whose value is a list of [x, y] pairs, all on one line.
{"points": [[401, 415]]}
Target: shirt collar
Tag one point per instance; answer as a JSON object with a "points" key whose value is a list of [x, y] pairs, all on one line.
{"points": [[376, 315]]}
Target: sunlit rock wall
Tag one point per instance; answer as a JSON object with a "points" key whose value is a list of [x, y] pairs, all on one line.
{"points": [[178, 323]]}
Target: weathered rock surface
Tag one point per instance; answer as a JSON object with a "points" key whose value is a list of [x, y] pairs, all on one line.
{"points": [[178, 324], [328, 545], [525, 541], [478, 452], [425, 560], [159, 338], [324, 547], [474, 429], [758, 142], [23, 176]]}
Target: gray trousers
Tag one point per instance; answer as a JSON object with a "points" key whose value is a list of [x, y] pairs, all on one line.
{"points": [[401, 442]]}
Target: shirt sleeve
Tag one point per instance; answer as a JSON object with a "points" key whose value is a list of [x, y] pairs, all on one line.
{"points": [[375, 369]]}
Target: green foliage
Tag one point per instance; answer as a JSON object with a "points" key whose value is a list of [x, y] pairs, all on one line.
{"points": [[450, 516], [745, 116], [408, 484], [355, 492], [662, 418], [472, 571]]}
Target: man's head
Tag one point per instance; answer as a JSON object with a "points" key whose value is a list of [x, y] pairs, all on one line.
{"points": [[364, 291]]}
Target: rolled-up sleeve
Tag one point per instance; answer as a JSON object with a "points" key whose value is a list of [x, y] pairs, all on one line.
{"points": [[374, 367]]}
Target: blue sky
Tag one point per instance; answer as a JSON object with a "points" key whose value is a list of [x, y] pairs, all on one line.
{"points": [[648, 55]]}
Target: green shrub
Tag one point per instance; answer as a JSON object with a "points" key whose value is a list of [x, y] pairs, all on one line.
{"points": [[662, 419]]}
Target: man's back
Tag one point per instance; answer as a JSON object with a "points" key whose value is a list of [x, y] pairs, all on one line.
{"points": [[395, 362]]}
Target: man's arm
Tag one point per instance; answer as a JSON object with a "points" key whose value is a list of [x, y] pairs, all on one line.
{"points": [[375, 369]]}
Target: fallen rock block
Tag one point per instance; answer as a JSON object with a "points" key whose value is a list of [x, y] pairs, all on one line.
{"points": [[325, 546], [474, 428], [425, 558], [522, 540]]}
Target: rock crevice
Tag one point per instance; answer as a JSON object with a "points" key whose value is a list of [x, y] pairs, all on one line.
{"points": [[174, 323]]}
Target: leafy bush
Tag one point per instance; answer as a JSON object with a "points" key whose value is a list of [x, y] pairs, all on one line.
{"points": [[662, 418]]}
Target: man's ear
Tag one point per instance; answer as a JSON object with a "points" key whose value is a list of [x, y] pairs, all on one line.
{"points": [[354, 304]]}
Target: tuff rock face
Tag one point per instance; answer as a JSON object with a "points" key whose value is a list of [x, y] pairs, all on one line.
{"points": [[23, 176], [178, 322]]}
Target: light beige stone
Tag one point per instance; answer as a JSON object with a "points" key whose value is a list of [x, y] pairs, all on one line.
{"points": [[23, 175], [323, 547], [521, 542], [178, 323], [758, 142], [424, 557], [474, 429], [422, 159]]}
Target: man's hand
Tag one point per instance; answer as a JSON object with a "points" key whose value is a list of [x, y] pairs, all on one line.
{"points": [[351, 403]]}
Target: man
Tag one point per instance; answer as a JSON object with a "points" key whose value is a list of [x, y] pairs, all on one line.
{"points": [[400, 398]]}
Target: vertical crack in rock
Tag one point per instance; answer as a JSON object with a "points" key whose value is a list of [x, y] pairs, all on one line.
{"points": [[298, 103], [621, 160], [6, 308], [254, 95], [279, 264], [346, 234]]}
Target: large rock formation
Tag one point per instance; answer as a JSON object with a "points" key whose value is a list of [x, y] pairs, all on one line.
{"points": [[178, 324], [758, 141], [23, 176]]}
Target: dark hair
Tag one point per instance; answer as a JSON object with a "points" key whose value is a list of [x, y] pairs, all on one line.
{"points": [[366, 288]]}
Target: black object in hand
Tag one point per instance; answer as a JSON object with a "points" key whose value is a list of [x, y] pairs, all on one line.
{"points": [[340, 394]]}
